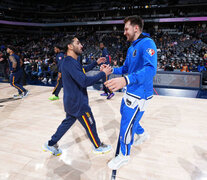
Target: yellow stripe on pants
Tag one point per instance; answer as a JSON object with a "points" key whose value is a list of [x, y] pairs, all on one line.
{"points": [[56, 85], [16, 86], [89, 129]]}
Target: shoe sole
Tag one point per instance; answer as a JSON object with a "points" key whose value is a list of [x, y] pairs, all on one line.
{"points": [[47, 150], [95, 152], [17, 97], [148, 137]]}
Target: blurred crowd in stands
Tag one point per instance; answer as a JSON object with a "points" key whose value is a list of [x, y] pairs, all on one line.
{"points": [[185, 52]]}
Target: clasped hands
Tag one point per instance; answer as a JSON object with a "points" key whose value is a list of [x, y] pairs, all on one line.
{"points": [[115, 83]]}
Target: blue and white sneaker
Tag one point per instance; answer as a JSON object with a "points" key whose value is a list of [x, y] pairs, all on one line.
{"points": [[25, 94], [102, 149], [54, 150]]}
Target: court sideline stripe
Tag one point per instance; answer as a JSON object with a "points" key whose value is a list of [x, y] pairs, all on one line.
{"points": [[113, 174], [155, 91]]}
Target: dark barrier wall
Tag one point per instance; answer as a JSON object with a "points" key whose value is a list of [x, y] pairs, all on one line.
{"points": [[191, 80], [178, 79]]}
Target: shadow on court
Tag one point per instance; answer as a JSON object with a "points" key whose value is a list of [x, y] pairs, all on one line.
{"points": [[7, 100]]}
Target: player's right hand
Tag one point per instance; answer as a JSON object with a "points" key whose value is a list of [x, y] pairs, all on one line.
{"points": [[107, 70], [103, 66], [101, 60]]}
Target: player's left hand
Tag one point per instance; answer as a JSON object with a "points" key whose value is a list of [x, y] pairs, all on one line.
{"points": [[115, 84], [101, 60]]}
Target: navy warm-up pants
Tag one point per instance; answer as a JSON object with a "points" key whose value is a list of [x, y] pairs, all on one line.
{"points": [[58, 87], [87, 121], [15, 81]]}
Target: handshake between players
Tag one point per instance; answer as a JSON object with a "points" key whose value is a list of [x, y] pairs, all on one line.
{"points": [[115, 83]]}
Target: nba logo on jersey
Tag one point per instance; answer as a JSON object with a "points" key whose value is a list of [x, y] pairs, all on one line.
{"points": [[151, 52], [60, 58]]}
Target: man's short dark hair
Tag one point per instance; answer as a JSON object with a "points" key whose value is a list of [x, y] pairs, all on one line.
{"points": [[135, 20], [68, 40], [11, 48], [59, 46]]}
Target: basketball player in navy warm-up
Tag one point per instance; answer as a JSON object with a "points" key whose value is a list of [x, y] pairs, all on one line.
{"points": [[75, 98], [16, 73], [59, 59]]}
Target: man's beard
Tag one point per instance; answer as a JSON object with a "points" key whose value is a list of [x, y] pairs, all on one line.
{"points": [[131, 38], [77, 52]]}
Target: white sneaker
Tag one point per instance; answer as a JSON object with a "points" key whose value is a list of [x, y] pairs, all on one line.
{"points": [[50, 81], [44, 80], [118, 161], [141, 138], [54, 150], [25, 94]]}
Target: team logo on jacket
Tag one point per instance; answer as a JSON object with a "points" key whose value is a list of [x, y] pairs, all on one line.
{"points": [[128, 102], [89, 118], [134, 53], [151, 52]]}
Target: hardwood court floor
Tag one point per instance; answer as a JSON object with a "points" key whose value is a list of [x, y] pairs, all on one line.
{"points": [[177, 149]]}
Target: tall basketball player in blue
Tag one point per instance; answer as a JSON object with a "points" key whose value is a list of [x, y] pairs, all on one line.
{"points": [[16, 73], [140, 66]]}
